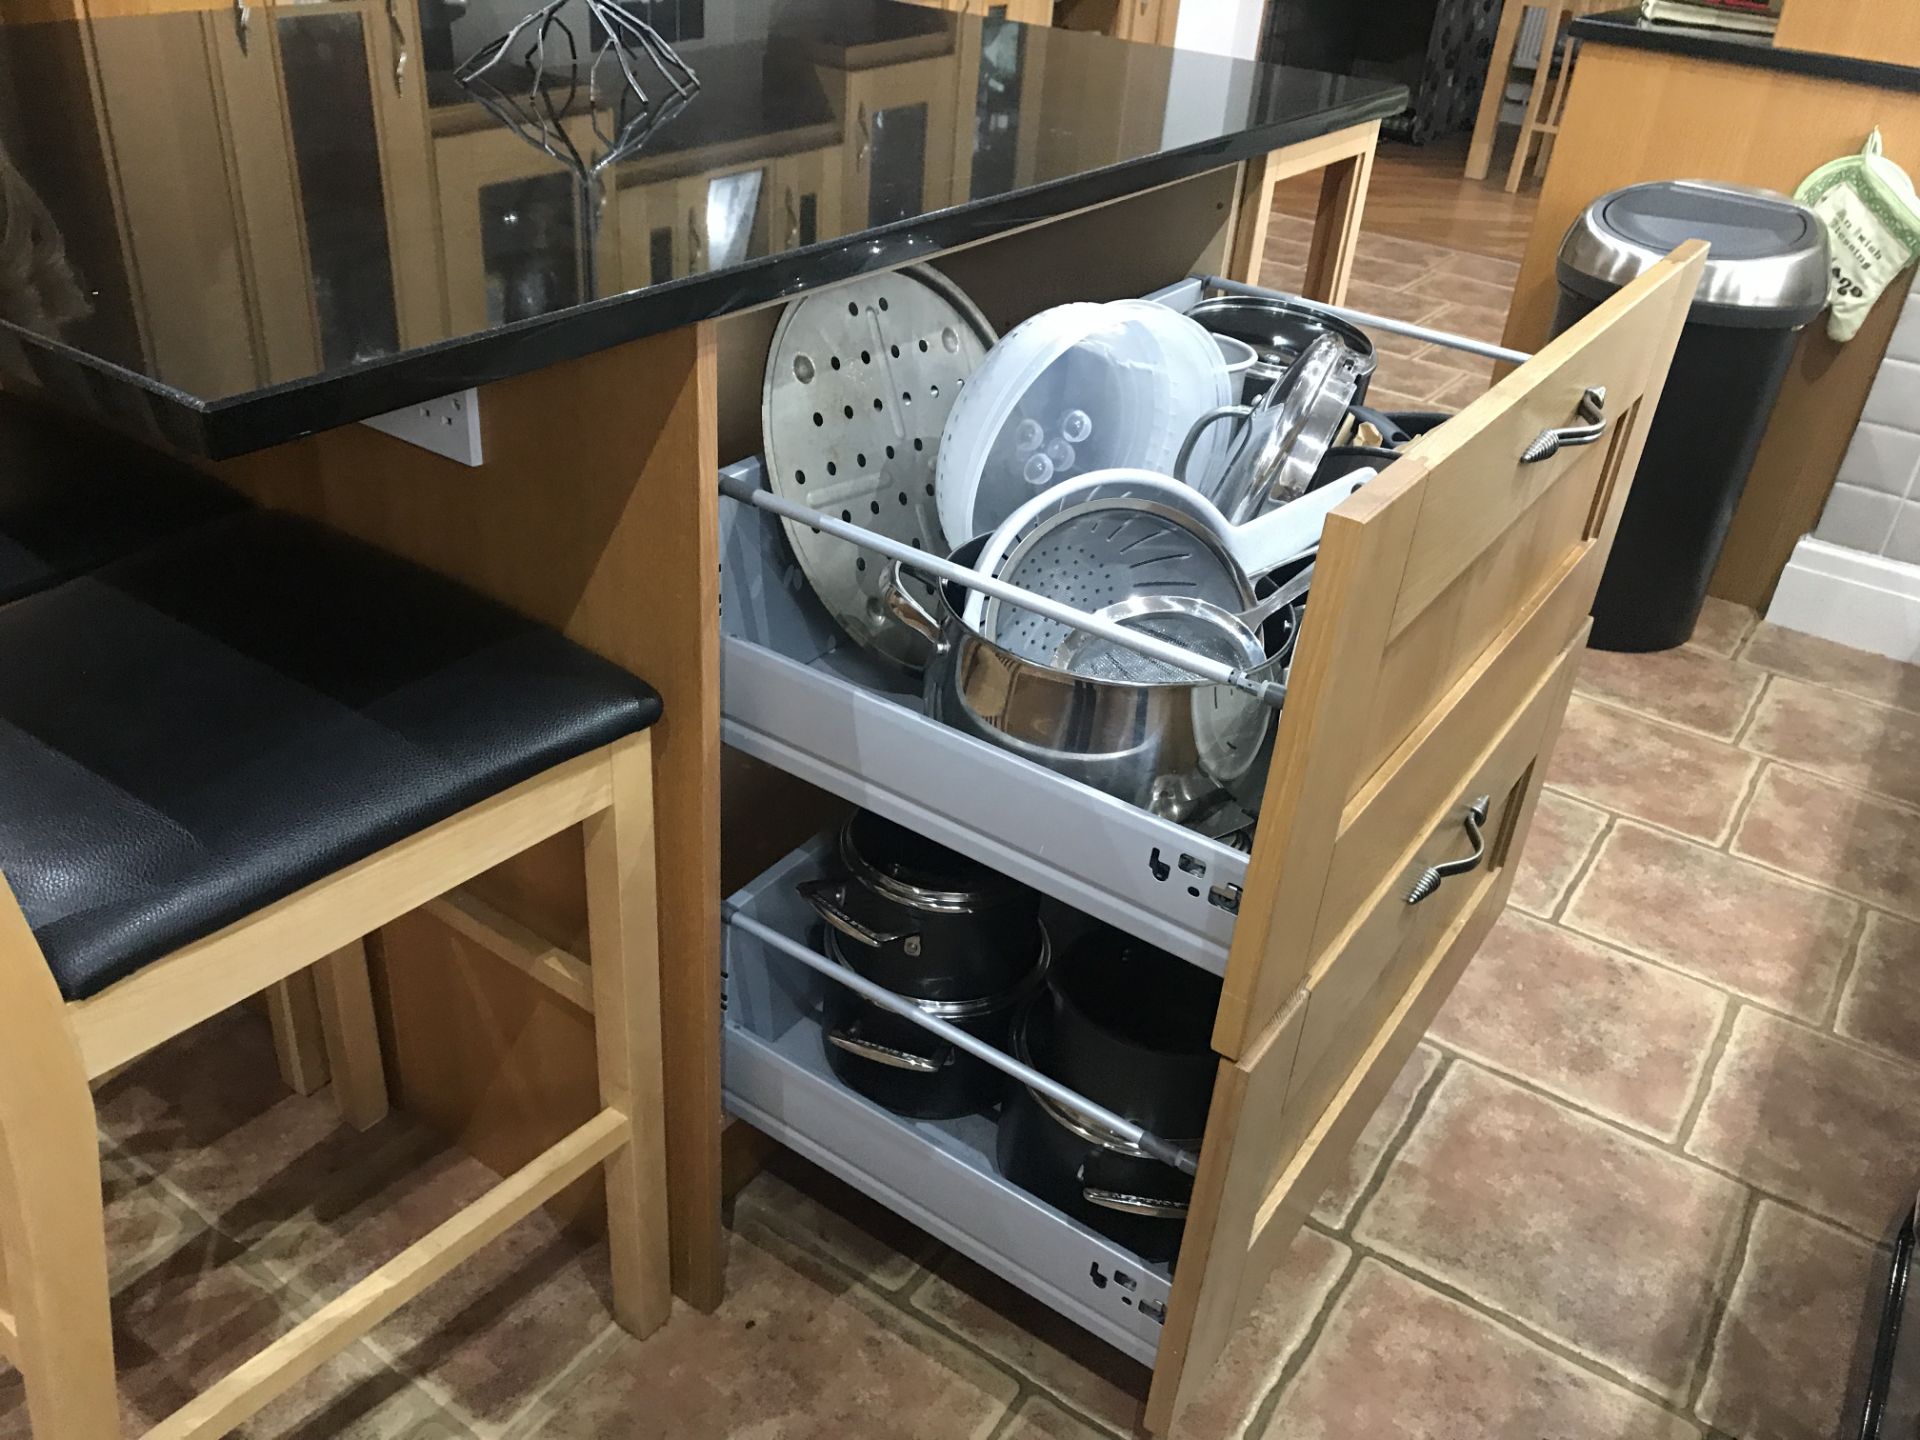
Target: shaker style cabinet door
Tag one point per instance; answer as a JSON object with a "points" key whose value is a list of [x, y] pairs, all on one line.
{"points": [[1448, 614]]}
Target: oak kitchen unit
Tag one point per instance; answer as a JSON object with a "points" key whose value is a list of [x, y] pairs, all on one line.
{"points": [[266, 243]]}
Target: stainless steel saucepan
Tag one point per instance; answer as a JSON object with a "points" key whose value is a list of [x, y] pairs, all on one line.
{"points": [[1175, 748]]}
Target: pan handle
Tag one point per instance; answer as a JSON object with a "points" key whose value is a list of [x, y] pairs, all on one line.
{"points": [[907, 610], [829, 898], [847, 1038], [1127, 1204], [1199, 428]]}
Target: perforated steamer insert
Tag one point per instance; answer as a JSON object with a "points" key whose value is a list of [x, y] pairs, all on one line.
{"points": [[858, 386]]}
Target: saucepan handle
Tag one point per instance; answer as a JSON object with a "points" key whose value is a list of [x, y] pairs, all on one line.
{"points": [[1147, 1205], [907, 610], [849, 1039], [829, 898]]}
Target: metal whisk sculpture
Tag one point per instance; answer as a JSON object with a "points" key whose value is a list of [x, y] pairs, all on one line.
{"points": [[532, 78]]}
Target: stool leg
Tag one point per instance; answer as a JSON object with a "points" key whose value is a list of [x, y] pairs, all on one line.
{"points": [[52, 1229], [298, 1041], [1486, 124], [353, 1039], [623, 934], [1536, 95]]}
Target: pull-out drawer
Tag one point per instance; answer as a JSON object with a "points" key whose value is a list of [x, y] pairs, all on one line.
{"points": [[940, 1174], [1431, 674], [796, 693]]}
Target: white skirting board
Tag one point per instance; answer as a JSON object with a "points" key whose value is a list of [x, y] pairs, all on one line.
{"points": [[1864, 601]]}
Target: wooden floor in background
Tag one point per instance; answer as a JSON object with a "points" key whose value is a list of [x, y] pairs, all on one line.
{"points": [[1418, 193]]}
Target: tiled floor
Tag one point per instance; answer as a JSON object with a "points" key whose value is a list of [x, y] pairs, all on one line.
{"points": [[1630, 1187]]}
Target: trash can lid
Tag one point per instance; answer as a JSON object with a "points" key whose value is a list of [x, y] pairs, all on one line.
{"points": [[1766, 265]]}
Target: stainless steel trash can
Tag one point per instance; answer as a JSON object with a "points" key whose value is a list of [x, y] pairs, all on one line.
{"points": [[1765, 278]]}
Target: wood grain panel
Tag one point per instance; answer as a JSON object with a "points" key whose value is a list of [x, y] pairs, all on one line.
{"points": [[1867, 29], [1635, 115]]}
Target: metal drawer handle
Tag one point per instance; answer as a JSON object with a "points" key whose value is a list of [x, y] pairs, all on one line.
{"points": [[1593, 409], [1136, 1204], [853, 1044], [829, 899], [1430, 881], [242, 24]]}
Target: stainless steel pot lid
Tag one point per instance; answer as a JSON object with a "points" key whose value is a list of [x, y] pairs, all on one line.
{"points": [[1767, 265]]}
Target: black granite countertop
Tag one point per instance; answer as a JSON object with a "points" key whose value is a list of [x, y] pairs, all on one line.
{"points": [[1625, 27], [243, 234]]}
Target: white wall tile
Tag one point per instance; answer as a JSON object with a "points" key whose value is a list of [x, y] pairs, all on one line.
{"points": [[1895, 397], [1859, 519], [1905, 344], [1881, 458], [1903, 541]]}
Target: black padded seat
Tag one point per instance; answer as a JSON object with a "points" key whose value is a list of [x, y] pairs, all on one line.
{"points": [[207, 726], [74, 497]]}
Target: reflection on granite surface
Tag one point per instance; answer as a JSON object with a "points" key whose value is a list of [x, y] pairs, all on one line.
{"points": [[325, 202]]}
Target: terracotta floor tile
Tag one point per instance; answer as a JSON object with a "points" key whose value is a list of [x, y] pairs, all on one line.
{"points": [[1834, 836], [186, 1323], [1685, 686], [208, 1111], [1398, 1361], [144, 1222], [1394, 274], [1464, 290], [1291, 225], [1425, 377], [1266, 1339], [1813, 1119], [1639, 767], [1716, 916], [1461, 393], [1477, 322], [1040, 1343], [1385, 397], [796, 1351], [1490, 268], [1375, 248], [1394, 304], [1869, 746], [1612, 1034], [812, 1208], [1563, 835], [1882, 1004], [1807, 657], [1722, 626], [1343, 1192], [1038, 1418], [1611, 1246], [1783, 1359], [499, 1329]]}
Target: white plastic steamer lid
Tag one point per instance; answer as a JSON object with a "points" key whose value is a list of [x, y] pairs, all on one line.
{"points": [[1075, 389]]}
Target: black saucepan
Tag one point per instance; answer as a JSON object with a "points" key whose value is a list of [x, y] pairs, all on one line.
{"points": [[923, 920]]}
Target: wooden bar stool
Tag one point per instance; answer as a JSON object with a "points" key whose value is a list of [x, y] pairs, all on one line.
{"points": [[1546, 99], [228, 758], [74, 497]]}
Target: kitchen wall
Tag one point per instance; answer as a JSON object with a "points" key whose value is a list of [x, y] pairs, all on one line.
{"points": [[1856, 578], [1222, 27]]}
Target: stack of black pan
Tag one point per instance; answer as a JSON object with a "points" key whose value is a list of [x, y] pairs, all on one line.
{"points": [[1129, 1027], [963, 942]]}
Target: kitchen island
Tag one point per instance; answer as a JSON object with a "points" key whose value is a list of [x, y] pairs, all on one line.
{"points": [[258, 234]]}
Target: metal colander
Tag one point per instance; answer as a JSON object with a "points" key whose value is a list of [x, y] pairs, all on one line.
{"points": [[1099, 554]]}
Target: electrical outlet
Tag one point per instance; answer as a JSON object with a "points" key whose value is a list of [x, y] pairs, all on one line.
{"points": [[449, 426]]}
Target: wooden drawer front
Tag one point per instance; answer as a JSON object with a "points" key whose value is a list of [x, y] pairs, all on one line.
{"points": [[1446, 589], [1286, 1115], [1389, 941]]}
